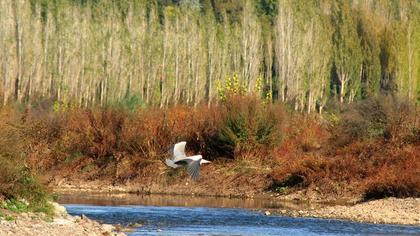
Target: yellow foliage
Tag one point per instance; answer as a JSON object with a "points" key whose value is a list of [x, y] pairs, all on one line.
{"points": [[231, 86]]}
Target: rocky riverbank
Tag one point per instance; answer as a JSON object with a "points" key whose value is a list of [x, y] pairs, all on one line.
{"points": [[385, 211], [34, 224]]}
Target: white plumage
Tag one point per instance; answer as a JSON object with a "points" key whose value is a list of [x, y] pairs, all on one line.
{"points": [[180, 159]]}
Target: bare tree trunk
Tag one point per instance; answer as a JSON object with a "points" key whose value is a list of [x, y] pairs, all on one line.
{"points": [[342, 90], [4, 66], [5, 84], [163, 74], [343, 78], [18, 38], [176, 92], [410, 54], [210, 56]]}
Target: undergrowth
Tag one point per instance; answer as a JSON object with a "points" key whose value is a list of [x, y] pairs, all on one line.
{"points": [[20, 188], [373, 150], [369, 148]]}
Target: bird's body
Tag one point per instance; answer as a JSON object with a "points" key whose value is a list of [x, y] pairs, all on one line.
{"points": [[180, 159]]}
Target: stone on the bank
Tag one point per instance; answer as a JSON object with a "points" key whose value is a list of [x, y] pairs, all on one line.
{"points": [[108, 227], [59, 210]]}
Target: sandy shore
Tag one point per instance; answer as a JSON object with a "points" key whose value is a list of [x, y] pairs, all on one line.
{"points": [[385, 211], [34, 224]]}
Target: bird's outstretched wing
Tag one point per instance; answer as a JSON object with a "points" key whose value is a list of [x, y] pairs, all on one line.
{"points": [[194, 169], [194, 166], [179, 150]]}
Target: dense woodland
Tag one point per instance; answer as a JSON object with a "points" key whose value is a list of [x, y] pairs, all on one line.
{"points": [[163, 52]]}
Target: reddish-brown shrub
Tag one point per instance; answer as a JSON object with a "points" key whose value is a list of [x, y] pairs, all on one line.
{"points": [[397, 176], [242, 131]]}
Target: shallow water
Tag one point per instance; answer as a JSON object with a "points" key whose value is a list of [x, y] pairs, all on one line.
{"points": [[197, 218]]}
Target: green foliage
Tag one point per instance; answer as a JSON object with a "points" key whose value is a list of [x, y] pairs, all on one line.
{"points": [[371, 65], [88, 168], [73, 156], [15, 205], [231, 87], [62, 106], [6, 216], [17, 182], [245, 167], [382, 117], [134, 53], [249, 124], [131, 103], [372, 124], [281, 190], [268, 9], [347, 51], [10, 218]]}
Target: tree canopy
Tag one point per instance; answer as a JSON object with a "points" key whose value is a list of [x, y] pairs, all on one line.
{"points": [[165, 52]]}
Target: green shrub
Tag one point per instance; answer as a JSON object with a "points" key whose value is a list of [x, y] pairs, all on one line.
{"points": [[15, 205], [382, 117], [249, 124], [17, 182], [131, 103]]}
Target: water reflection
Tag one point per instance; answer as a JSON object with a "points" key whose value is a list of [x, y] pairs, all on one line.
{"points": [[176, 200]]}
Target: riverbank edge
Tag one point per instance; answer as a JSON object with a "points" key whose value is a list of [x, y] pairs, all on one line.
{"points": [[61, 223], [382, 211], [190, 189], [404, 211]]}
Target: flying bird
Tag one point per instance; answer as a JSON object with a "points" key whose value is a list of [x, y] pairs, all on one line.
{"points": [[180, 159]]}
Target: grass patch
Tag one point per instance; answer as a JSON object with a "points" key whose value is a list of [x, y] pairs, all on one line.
{"points": [[17, 182], [15, 205], [6, 217], [87, 168], [10, 218], [72, 157], [245, 167]]}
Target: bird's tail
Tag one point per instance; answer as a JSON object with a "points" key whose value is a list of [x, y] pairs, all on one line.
{"points": [[171, 163]]}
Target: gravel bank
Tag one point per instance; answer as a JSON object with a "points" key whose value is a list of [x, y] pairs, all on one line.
{"points": [[385, 211], [34, 224]]}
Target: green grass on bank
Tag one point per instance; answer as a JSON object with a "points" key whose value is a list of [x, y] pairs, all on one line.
{"points": [[20, 189]]}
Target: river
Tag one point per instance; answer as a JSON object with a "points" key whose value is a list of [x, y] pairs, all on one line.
{"points": [[181, 215]]}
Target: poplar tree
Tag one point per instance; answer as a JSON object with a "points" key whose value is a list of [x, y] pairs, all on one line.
{"points": [[347, 51]]}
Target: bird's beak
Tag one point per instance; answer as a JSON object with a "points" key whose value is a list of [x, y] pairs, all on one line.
{"points": [[205, 161]]}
